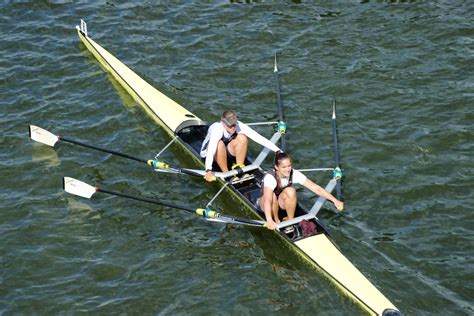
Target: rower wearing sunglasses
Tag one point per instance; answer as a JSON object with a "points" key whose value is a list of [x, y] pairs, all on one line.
{"points": [[226, 141]]}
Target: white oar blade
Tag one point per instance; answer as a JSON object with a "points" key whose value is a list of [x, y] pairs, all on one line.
{"points": [[42, 136], [79, 188]]}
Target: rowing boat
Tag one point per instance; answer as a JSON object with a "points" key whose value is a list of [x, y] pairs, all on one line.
{"points": [[187, 130]]}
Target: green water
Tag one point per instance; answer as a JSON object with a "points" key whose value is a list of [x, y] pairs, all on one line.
{"points": [[402, 76]]}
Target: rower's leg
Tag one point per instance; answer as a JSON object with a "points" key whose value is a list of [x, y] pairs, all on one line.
{"points": [[275, 208], [238, 148], [287, 201], [221, 156]]}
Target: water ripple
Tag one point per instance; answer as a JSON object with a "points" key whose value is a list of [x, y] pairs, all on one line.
{"points": [[400, 72]]}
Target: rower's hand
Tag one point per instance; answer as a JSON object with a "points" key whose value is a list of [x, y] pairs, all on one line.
{"points": [[209, 177], [339, 205], [270, 224]]}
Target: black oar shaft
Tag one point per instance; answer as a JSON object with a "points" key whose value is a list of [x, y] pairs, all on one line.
{"points": [[279, 101], [278, 92], [128, 196], [113, 152], [336, 151], [235, 220], [334, 136]]}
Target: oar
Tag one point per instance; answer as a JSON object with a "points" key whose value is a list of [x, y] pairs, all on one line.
{"points": [[281, 122], [337, 170], [45, 137], [85, 190]]}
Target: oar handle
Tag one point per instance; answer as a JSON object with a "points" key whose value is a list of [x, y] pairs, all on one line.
{"points": [[245, 220], [190, 172], [159, 165], [208, 213]]}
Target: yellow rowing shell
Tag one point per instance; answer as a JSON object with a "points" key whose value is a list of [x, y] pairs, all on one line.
{"points": [[318, 250]]}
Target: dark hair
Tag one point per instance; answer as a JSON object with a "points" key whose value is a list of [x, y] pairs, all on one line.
{"points": [[279, 156]]}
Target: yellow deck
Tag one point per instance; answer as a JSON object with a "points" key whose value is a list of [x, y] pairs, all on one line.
{"points": [[321, 250], [167, 112]]}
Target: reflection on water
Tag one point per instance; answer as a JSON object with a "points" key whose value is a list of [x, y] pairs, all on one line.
{"points": [[80, 211], [44, 154]]}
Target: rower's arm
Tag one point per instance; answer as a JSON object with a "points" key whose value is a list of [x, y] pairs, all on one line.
{"points": [[256, 137], [316, 189], [212, 148], [266, 203]]}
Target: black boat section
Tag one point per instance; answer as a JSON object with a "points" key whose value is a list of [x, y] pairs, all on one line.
{"points": [[248, 191]]}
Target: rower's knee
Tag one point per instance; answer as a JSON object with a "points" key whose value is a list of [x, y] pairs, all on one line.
{"points": [[290, 193], [242, 139], [220, 146]]}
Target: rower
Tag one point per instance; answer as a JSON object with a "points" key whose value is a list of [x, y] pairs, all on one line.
{"points": [[226, 144], [278, 191]]}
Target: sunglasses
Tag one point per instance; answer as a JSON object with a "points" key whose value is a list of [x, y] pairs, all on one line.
{"points": [[229, 125]]}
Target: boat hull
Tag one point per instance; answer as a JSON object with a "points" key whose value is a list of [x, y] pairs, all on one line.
{"points": [[318, 250]]}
